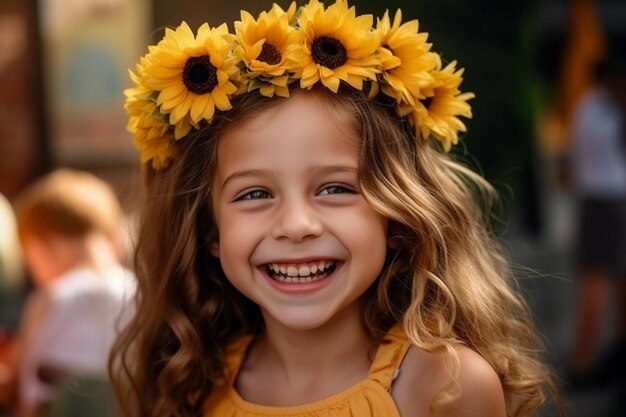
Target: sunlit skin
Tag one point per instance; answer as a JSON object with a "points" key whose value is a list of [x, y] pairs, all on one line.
{"points": [[286, 193]]}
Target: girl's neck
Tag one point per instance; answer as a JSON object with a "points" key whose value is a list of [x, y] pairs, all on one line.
{"points": [[335, 341], [315, 363]]}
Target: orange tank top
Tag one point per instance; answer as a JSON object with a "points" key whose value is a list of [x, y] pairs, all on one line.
{"points": [[370, 397]]}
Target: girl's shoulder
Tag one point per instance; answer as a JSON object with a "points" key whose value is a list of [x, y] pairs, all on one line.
{"points": [[423, 375]]}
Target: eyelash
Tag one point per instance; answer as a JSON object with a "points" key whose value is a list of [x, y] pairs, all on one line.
{"points": [[262, 194], [249, 195], [344, 189]]}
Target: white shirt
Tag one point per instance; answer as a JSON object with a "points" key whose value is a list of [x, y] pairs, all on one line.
{"points": [[78, 320], [598, 151]]}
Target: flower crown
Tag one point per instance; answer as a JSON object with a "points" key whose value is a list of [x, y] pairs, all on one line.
{"points": [[185, 78]]}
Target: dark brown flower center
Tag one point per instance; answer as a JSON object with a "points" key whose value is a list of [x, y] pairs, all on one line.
{"points": [[269, 54], [199, 75], [328, 52], [427, 102]]}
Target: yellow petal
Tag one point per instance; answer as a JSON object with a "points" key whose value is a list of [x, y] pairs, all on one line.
{"points": [[181, 130], [220, 99], [209, 111], [267, 90], [332, 83], [200, 103], [282, 91], [171, 92], [180, 111]]}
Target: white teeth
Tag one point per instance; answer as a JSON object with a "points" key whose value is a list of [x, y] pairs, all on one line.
{"points": [[300, 273]]}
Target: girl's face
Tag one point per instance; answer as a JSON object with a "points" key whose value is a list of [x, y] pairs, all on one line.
{"points": [[295, 234]]}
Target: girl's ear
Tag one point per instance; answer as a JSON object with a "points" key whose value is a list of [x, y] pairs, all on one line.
{"points": [[214, 248]]}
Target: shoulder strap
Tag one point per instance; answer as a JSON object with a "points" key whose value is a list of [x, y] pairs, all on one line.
{"points": [[389, 357]]}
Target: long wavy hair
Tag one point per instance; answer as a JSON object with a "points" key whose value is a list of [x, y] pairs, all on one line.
{"points": [[445, 279]]}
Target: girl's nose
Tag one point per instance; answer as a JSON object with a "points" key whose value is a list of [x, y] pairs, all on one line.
{"points": [[296, 221]]}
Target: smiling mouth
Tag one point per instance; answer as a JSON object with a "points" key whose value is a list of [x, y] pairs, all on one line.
{"points": [[301, 273]]}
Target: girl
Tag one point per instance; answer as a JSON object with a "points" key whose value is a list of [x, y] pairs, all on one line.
{"points": [[305, 250]]}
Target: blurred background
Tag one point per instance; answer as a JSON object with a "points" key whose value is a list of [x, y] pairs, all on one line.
{"points": [[63, 66]]}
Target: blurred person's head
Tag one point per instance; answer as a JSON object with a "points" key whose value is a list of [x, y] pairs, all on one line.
{"points": [[68, 219], [610, 71], [10, 256]]}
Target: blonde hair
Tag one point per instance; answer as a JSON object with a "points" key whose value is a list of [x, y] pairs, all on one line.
{"points": [[445, 279], [68, 203]]}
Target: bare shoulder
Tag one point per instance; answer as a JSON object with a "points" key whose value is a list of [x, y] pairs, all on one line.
{"points": [[423, 375]]}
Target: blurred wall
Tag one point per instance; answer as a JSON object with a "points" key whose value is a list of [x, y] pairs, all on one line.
{"points": [[22, 131]]}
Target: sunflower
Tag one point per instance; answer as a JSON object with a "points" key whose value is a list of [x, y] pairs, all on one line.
{"points": [[437, 112], [268, 46], [156, 143], [192, 74], [337, 46], [152, 133], [405, 57]]}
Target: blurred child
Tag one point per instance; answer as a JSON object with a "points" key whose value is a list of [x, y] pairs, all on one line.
{"points": [[69, 224]]}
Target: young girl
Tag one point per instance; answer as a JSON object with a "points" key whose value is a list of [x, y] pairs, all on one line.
{"points": [[308, 248]]}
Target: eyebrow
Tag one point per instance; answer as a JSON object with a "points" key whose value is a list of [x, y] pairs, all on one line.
{"points": [[331, 169], [247, 173], [318, 170]]}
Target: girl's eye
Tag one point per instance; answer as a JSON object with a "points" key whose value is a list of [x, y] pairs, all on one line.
{"points": [[254, 195], [336, 189]]}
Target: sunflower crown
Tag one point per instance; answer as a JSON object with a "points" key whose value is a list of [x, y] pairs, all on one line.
{"points": [[183, 80]]}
